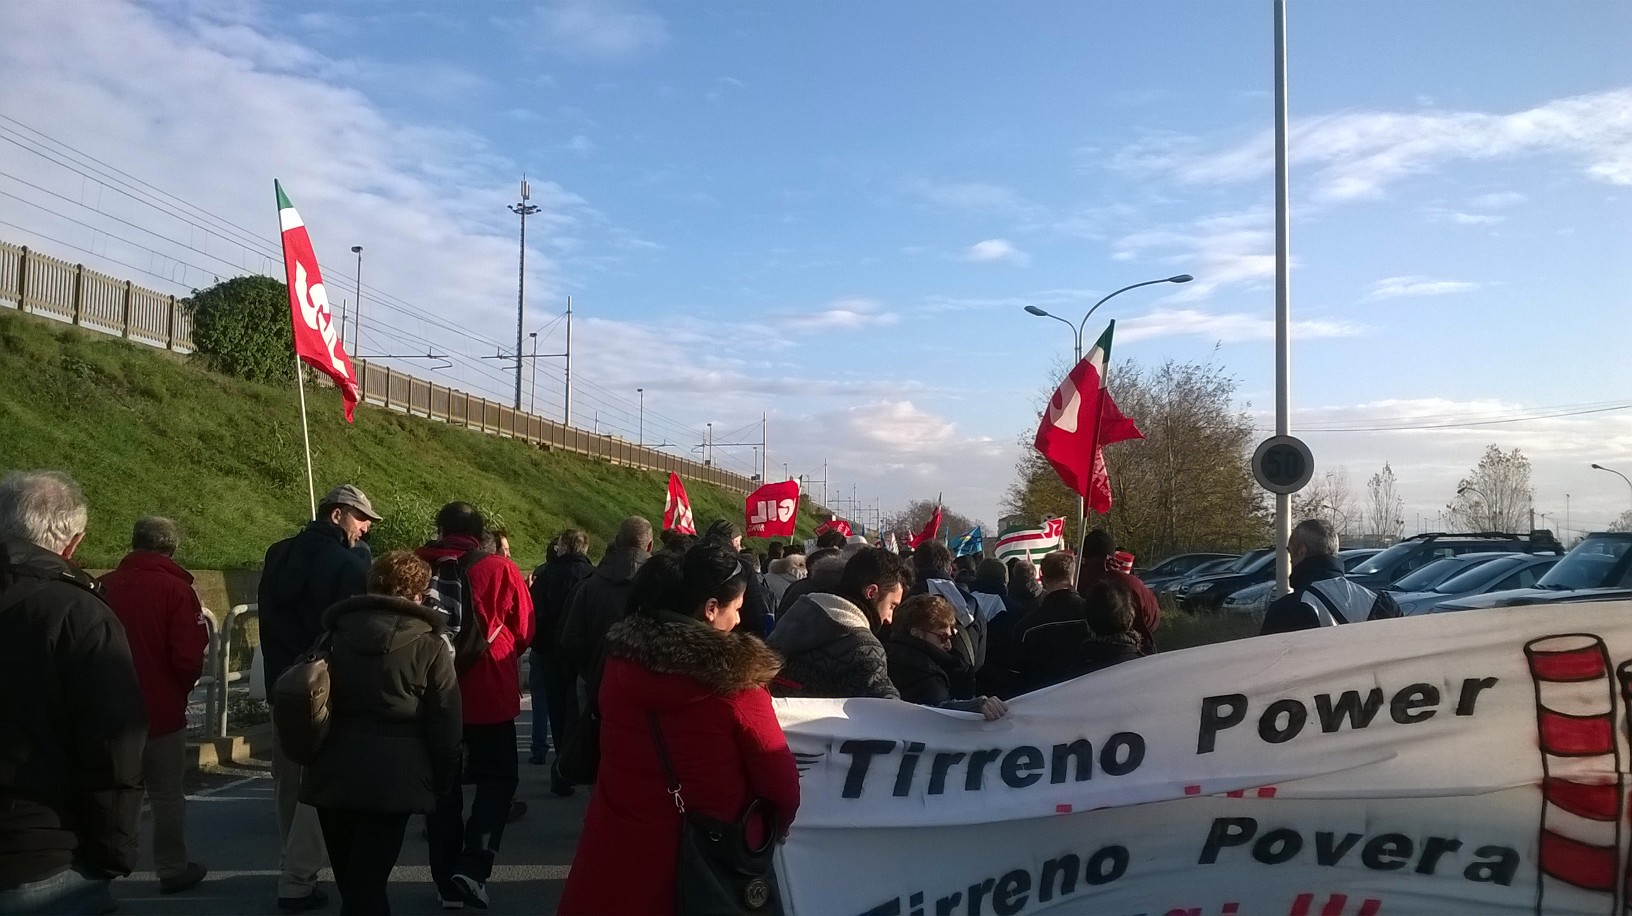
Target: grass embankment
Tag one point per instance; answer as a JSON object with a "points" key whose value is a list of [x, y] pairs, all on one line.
{"points": [[146, 432]]}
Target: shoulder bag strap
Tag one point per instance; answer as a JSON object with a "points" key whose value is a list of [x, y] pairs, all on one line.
{"points": [[668, 765], [1326, 602]]}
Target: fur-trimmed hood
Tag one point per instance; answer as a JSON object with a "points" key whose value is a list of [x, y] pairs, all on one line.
{"points": [[377, 624], [725, 663]]}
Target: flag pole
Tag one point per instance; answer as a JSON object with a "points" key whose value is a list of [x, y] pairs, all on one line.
{"points": [[305, 434], [1098, 451]]}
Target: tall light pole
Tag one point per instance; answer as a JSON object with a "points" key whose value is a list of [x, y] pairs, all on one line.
{"points": [[356, 333], [1076, 349], [1283, 301], [523, 210], [1599, 467], [641, 436], [532, 386]]}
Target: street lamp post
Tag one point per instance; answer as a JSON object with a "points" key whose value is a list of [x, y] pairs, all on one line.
{"points": [[523, 210], [1076, 341], [1599, 467], [356, 340], [532, 386], [640, 437]]}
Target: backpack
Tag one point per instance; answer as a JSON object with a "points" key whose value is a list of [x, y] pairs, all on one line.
{"points": [[300, 704], [450, 584]]}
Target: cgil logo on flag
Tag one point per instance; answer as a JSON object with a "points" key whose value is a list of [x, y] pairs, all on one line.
{"points": [[772, 509], [316, 340]]}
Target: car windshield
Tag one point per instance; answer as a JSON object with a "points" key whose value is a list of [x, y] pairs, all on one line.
{"points": [[1589, 565], [1258, 563], [1475, 578], [1247, 561], [1430, 575], [1386, 559]]}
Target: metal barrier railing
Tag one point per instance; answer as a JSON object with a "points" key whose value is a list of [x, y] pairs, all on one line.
{"points": [[218, 678]]}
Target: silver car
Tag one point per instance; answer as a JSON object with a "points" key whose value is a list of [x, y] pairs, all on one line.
{"points": [[1507, 571]]}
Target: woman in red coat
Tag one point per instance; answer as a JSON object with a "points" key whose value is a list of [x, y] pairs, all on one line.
{"points": [[675, 655]]}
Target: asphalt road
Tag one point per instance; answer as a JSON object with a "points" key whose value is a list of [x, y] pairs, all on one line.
{"points": [[231, 828]]}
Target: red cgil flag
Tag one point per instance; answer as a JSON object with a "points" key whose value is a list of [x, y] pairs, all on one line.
{"points": [[677, 508], [316, 338], [1081, 420], [931, 528], [835, 524], [773, 510]]}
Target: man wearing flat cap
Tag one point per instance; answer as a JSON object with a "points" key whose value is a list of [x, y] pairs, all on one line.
{"points": [[303, 576]]}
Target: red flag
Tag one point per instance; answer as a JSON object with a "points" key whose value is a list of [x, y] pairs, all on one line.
{"points": [[316, 340], [931, 528], [773, 509], [835, 524], [677, 508], [1081, 420]]}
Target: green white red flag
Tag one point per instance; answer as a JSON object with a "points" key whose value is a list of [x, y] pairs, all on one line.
{"points": [[316, 338], [1080, 421]]}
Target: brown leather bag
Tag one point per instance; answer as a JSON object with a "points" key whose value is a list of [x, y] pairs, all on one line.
{"points": [[300, 704]]}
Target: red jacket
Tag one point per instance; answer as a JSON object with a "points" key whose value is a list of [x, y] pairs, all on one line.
{"points": [[727, 748], [164, 623], [1147, 613], [490, 692]]}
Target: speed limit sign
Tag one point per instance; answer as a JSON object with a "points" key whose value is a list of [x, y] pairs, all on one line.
{"points": [[1283, 464]]}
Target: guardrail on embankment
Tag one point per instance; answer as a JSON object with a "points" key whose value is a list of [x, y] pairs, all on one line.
{"points": [[50, 287]]}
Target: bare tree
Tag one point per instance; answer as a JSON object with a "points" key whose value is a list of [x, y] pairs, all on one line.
{"points": [[1385, 509], [917, 514], [1624, 523], [1329, 497], [1496, 496]]}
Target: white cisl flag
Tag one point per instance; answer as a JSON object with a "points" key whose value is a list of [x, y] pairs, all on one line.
{"points": [[317, 340], [677, 508]]}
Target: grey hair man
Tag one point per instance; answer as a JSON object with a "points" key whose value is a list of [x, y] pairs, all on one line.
{"points": [[599, 600], [1321, 596], [70, 776]]}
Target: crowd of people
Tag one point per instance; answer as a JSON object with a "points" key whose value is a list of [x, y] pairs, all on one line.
{"points": [[662, 659]]}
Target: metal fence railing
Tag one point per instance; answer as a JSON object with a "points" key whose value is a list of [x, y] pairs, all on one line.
{"points": [[42, 285], [219, 673]]}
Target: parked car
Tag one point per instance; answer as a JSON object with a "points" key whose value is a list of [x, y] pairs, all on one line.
{"points": [[1598, 567], [1178, 567], [1431, 574], [1170, 589], [1504, 573], [1387, 567], [1207, 593], [1354, 556]]}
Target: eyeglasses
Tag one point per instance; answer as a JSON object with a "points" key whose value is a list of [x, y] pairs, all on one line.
{"points": [[944, 636]]}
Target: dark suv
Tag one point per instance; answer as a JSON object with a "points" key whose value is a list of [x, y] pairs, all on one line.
{"points": [[1599, 567], [1383, 569]]}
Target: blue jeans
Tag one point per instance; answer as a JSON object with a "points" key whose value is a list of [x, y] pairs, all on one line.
{"points": [[67, 892], [467, 846]]}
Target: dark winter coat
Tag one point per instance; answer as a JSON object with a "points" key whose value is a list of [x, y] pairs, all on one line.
{"points": [[304, 576], [395, 722], [490, 689], [1147, 613], [164, 625], [707, 690], [1291, 612], [829, 651], [598, 603], [927, 674], [1024, 594], [970, 641], [1000, 676], [553, 585], [756, 601], [72, 727]]}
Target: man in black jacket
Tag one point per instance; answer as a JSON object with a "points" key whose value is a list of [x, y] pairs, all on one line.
{"points": [[304, 576], [1321, 596], [549, 677], [600, 599], [72, 724], [822, 571]]}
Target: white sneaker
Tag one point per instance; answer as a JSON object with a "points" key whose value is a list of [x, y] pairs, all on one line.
{"points": [[474, 892]]}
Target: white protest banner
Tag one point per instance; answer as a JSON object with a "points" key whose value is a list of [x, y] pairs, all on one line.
{"points": [[1455, 763]]}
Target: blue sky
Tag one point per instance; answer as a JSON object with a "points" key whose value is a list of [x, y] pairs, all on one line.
{"points": [[835, 212]]}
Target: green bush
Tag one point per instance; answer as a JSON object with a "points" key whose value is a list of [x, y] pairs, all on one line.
{"points": [[241, 328]]}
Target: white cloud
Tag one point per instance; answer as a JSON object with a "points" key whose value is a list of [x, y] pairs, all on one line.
{"points": [[1227, 328], [1497, 200], [841, 315], [1401, 287], [1358, 154], [992, 251], [1475, 219], [1222, 250], [581, 145], [603, 29], [976, 196]]}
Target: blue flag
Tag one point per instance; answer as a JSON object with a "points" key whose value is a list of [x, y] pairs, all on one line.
{"points": [[969, 543]]}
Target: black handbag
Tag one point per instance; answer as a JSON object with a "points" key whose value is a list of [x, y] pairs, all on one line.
{"points": [[580, 757], [716, 872]]}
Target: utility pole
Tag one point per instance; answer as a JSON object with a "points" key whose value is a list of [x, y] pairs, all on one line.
{"points": [[1283, 330], [764, 450], [523, 210], [356, 340], [566, 411]]}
